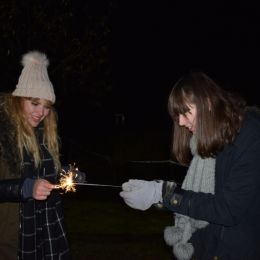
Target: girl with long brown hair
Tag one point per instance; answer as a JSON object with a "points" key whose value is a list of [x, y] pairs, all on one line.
{"points": [[217, 208]]}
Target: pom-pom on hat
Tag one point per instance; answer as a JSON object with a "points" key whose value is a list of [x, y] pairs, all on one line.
{"points": [[34, 81]]}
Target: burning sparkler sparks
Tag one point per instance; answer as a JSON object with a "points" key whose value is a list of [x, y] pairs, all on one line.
{"points": [[67, 180]]}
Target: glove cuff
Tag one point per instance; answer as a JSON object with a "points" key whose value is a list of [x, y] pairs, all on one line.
{"points": [[158, 191], [168, 189]]}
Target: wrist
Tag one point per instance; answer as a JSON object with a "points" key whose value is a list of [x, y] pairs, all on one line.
{"points": [[158, 191], [172, 194], [168, 188], [27, 188]]}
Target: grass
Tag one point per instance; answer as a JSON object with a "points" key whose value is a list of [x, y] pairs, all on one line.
{"points": [[101, 226]]}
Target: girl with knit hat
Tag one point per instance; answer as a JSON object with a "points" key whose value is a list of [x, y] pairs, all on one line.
{"points": [[217, 208], [31, 218]]}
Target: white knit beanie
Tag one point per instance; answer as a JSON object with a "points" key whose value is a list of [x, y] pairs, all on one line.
{"points": [[34, 81]]}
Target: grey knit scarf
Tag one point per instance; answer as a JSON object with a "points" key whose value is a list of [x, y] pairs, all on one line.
{"points": [[200, 177]]}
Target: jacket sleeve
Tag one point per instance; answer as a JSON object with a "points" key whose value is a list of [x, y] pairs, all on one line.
{"points": [[11, 190]]}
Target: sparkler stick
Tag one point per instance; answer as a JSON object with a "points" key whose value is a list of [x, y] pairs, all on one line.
{"points": [[98, 185], [67, 183]]}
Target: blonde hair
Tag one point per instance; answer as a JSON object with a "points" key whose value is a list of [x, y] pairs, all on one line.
{"points": [[25, 135]]}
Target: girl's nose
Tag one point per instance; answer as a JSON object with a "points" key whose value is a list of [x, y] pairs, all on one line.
{"points": [[182, 120], [40, 111]]}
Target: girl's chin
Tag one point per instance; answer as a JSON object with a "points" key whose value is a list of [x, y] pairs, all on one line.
{"points": [[34, 124]]}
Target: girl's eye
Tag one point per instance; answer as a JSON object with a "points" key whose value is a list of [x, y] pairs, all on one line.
{"points": [[35, 103], [188, 112]]}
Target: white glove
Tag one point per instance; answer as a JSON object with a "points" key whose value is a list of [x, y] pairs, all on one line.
{"points": [[139, 194]]}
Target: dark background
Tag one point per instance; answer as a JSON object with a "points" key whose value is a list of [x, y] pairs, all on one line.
{"points": [[104, 126], [120, 129]]}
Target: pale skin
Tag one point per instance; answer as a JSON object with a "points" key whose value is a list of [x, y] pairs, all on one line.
{"points": [[35, 110], [188, 120]]}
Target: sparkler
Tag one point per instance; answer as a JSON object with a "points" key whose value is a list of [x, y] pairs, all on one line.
{"points": [[67, 183], [99, 185]]}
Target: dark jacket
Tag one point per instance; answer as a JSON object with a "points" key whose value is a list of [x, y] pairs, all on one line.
{"points": [[30, 229], [9, 216], [10, 191], [233, 212]]}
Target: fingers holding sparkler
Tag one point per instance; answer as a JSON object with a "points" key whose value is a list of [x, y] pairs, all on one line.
{"points": [[42, 189]]}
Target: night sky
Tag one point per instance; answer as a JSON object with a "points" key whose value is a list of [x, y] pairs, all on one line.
{"points": [[112, 128], [156, 43], [147, 45]]}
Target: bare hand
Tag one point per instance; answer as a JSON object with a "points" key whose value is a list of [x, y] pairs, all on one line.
{"points": [[42, 189]]}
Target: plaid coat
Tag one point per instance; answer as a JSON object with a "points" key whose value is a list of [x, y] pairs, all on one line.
{"points": [[41, 233], [31, 230]]}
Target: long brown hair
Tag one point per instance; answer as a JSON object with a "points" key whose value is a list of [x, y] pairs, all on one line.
{"points": [[218, 119], [26, 138]]}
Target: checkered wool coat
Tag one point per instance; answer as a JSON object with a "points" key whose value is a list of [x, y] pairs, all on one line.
{"points": [[30, 230]]}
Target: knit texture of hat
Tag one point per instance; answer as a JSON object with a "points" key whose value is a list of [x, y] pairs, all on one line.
{"points": [[34, 81]]}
